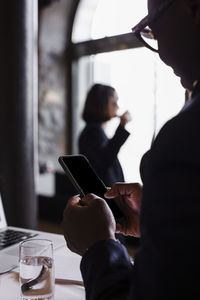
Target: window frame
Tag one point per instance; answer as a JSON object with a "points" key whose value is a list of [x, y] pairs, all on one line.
{"points": [[74, 52]]}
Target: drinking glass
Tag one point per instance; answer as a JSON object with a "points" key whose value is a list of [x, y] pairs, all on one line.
{"points": [[36, 269]]}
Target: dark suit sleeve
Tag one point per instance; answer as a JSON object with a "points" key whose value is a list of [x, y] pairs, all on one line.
{"points": [[106, 269], [99, 148]]}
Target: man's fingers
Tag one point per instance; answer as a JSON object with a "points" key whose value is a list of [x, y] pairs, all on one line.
{"points": [[115, 191], [74, 200], [72, 203], [112, 193], [109, 194], [89, 199]]}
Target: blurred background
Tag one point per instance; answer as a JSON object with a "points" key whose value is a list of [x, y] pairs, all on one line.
{"points": [[51, 53]]}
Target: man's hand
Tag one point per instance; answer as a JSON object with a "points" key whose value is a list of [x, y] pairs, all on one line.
{"points": [[86, 221], [128, 198]]}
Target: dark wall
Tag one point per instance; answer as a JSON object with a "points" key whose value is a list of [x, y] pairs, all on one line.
{"points": [[18, 115]]}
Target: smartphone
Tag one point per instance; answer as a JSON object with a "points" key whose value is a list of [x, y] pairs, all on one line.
{"points": [[85, 179]]}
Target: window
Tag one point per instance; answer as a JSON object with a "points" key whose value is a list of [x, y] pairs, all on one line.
{"points": [[146, 87]]}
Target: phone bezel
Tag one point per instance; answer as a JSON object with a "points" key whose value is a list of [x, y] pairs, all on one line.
{"points": [[114, 208]]}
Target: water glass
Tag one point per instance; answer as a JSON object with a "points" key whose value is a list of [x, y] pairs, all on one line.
{"points": [[36, 269]]}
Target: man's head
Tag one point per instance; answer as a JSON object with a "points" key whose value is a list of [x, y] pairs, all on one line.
{"points": [[178, 33]]}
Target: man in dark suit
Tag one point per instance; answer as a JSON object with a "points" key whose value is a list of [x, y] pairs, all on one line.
{"points": [[167, 263]]}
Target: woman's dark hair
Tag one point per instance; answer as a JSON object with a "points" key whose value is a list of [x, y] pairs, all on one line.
{"points": [[96, 103]]}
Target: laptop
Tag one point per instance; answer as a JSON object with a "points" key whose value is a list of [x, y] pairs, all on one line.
{"points": [[10, 238]]}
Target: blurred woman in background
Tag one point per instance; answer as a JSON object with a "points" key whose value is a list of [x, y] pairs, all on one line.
{"points": [[101, 105]]}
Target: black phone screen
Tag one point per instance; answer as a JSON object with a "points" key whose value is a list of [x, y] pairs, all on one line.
{"points": [[84, 175], [80, 172]]}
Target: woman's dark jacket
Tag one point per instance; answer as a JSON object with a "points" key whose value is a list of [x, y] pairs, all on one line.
{"points": [[102, 152]]}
